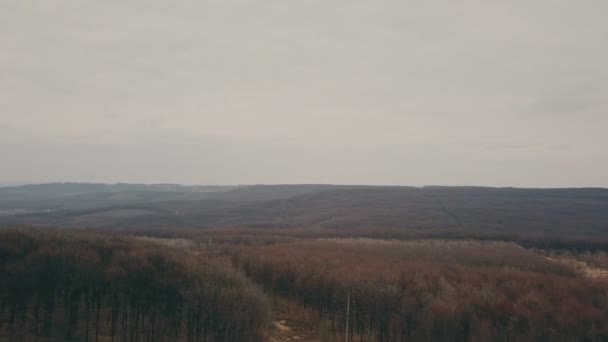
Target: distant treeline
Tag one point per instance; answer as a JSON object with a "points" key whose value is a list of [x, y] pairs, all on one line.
{"points": [[541, 212], [75, 286], [245, 236]]}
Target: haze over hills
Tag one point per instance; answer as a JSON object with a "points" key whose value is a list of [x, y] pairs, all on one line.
{"points": [[355, 112], [576, 212]]}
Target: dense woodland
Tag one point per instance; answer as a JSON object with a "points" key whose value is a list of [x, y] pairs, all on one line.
{"points": [[433, 290], [72, 286], [172, 285], [546, 213], [171, 263]]}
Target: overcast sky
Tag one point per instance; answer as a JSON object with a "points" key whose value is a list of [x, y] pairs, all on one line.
{"points": [[468, 92]]}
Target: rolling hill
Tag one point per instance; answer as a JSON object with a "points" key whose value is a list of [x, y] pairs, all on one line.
{"points": [[578, 212]]}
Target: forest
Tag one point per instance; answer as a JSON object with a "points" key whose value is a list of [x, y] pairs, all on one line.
{"points": [[76, 286], [302, 263], [545, 213], [303, 171], [432, 290], [172, 285]]}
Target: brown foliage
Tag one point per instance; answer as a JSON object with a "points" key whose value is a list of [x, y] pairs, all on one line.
{"points": [[433, 290], [82, 286]]}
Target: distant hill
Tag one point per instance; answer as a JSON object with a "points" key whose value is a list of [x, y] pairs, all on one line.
{"points": [[85, 195], [580, 212]]}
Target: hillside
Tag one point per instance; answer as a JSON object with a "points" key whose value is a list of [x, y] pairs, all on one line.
{"points": [[579, 212]]}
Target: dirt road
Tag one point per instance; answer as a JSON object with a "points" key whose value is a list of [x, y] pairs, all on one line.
{"points": [[288, 328]]}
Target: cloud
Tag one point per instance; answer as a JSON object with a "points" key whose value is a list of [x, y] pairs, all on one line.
{"points": [[293, 86]]}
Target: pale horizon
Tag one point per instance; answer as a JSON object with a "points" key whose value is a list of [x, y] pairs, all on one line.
{"points": [[18, 184]]}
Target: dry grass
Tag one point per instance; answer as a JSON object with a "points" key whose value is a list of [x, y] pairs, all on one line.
{"points": [[589, 265], [170, 242]]}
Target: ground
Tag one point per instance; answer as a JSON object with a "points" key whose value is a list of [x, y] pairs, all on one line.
{"points": [[290, 328]]}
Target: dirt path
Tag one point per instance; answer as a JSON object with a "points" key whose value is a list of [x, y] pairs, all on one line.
{"points": [[586, 270], [287, 328], [285, 331]]}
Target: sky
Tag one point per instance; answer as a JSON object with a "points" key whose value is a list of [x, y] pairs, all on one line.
{"points": [[407, 92]]}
